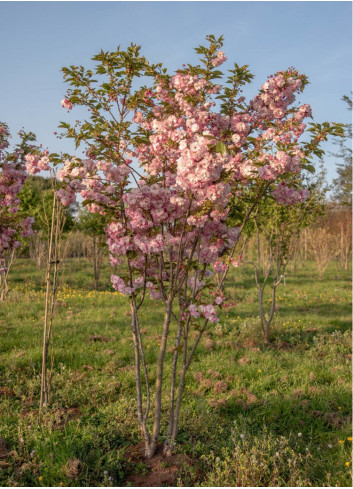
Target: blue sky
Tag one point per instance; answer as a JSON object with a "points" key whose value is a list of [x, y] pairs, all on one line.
{"points": [[38, 38]]}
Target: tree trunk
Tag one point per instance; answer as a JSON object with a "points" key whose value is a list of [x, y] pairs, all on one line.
{"points": [[140, 417], [95, 262], [168, 448], [305, 246], [159, 381], [44, 394], [266, 333]]}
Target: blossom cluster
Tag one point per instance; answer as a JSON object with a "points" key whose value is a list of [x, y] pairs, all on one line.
{"points": [[288, 195], [207, 311], [278, 92], [35, 163]]}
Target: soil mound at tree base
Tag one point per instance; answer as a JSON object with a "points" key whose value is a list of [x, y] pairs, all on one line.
{"points": [[157, 471]]}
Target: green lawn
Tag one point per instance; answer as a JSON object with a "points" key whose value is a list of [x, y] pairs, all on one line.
{"points": [[252, 416]]}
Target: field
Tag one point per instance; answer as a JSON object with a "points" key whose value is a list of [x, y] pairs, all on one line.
{"points": [[252, 416]]}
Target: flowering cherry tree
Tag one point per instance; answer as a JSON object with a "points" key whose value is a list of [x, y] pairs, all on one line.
{"points": [[165, 164], [13, 226]]}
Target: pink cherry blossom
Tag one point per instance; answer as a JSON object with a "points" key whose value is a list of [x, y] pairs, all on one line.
{"points": [[219, 59], [289, 195], [193, 311], [66, 104]]}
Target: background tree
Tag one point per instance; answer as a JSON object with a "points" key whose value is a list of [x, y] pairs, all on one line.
{"points": [[275, 227], [343, 183], [339, 219], [52, 226], [338, 223], [14, 226], [36, 199], [323, 247], [93, 227]]}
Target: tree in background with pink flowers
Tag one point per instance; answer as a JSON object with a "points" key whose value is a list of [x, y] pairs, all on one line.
{"points": [[13, 225]]}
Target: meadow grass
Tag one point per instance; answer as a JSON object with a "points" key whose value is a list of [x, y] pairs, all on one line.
{"points": [[252, 415]]}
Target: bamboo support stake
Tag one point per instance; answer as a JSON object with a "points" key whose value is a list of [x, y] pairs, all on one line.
{"points": [[44, 387]]}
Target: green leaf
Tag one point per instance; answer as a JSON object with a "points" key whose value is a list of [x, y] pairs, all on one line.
{"points": [[310, 168], [221, 148]]}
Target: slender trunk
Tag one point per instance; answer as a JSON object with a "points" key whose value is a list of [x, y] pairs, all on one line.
{"points": [[167, 446], [44, 385], [261, 312], [265, 325], [266, 333], [170, 444], [305, 245], [175, 405], [267, 329], [140, 416], [4, 289], [95, 252], [341, 245], [260, 287], [3, 280], [6, 263], [159, 380], [54, 289], [170, 447]]}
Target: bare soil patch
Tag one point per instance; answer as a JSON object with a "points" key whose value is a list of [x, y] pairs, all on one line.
{"points": [[159, 471]]}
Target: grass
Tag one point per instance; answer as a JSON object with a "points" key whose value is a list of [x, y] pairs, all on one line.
{"points": [[252, 416]]}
